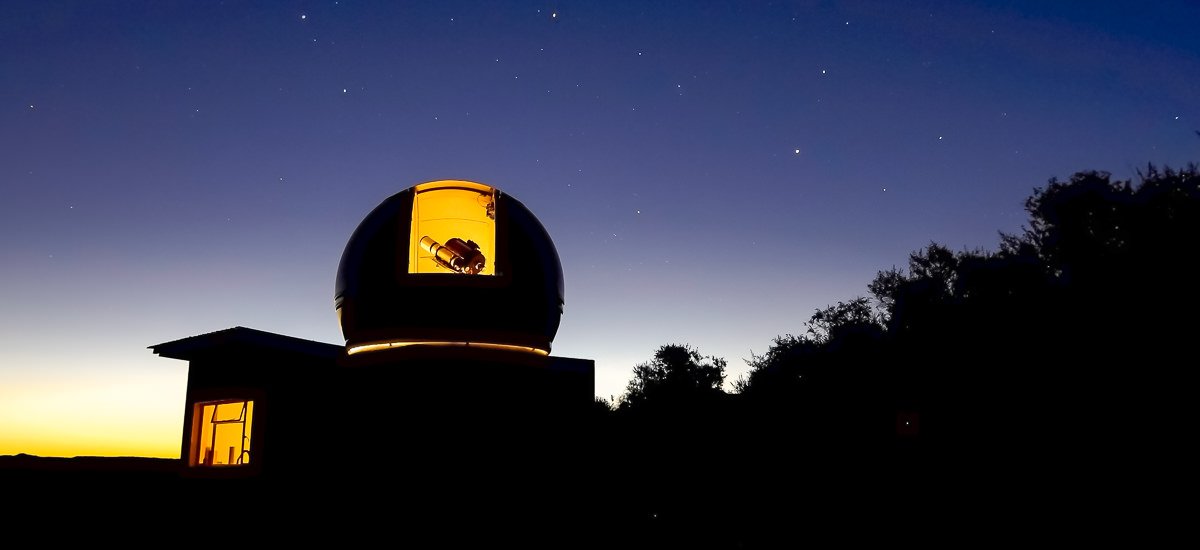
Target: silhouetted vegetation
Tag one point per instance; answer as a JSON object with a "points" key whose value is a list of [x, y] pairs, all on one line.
{"points": [[1061, 358], [677, 375]]}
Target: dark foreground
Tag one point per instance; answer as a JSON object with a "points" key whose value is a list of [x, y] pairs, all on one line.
{"points": [[892, 499]]}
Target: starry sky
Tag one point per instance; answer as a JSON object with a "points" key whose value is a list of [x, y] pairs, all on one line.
{"points": [[711, 172]]}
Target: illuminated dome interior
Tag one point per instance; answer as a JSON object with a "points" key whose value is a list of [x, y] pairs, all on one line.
{"points": [[450, 263]]}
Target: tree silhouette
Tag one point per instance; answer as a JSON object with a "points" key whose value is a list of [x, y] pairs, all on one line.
{"points": [[1062, 358], [850, 325], [677, 374], [1025, 344]]}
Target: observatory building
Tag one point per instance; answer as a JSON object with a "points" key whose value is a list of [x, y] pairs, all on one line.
{"points": [[449, 295]]}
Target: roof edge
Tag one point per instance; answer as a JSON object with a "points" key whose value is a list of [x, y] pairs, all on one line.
{"points": [[202, 344]]}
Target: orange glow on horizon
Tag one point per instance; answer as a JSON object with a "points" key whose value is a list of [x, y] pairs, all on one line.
{"points": [[93, 416], [485, 345]]}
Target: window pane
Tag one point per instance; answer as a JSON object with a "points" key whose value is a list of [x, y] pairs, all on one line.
{"points": [[221, 433], [229, 412]]}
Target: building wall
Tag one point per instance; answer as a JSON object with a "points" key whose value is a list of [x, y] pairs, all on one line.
{"points": [[432, 421]]}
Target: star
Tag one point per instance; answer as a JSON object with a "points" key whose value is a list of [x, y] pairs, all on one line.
{"points": [[303, 16], [797, 151], [344, 90]]}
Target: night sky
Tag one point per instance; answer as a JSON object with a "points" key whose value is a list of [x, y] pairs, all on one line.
{"points": [[711, 172]]}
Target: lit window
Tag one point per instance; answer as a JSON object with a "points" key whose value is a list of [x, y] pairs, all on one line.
{"points": [[453, 229], [221, 433]]}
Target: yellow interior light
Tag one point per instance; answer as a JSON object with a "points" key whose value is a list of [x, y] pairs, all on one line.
{"points": [[484, 345], [221, 433], [453, 228]]}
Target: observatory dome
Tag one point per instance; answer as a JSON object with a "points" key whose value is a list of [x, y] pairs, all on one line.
{"points": [[449, 263]]}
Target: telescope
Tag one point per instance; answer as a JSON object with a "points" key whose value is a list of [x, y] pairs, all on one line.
{"points": [[456, 255]]}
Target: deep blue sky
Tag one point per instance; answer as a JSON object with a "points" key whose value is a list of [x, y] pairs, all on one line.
{"points": [[711, 172]]}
